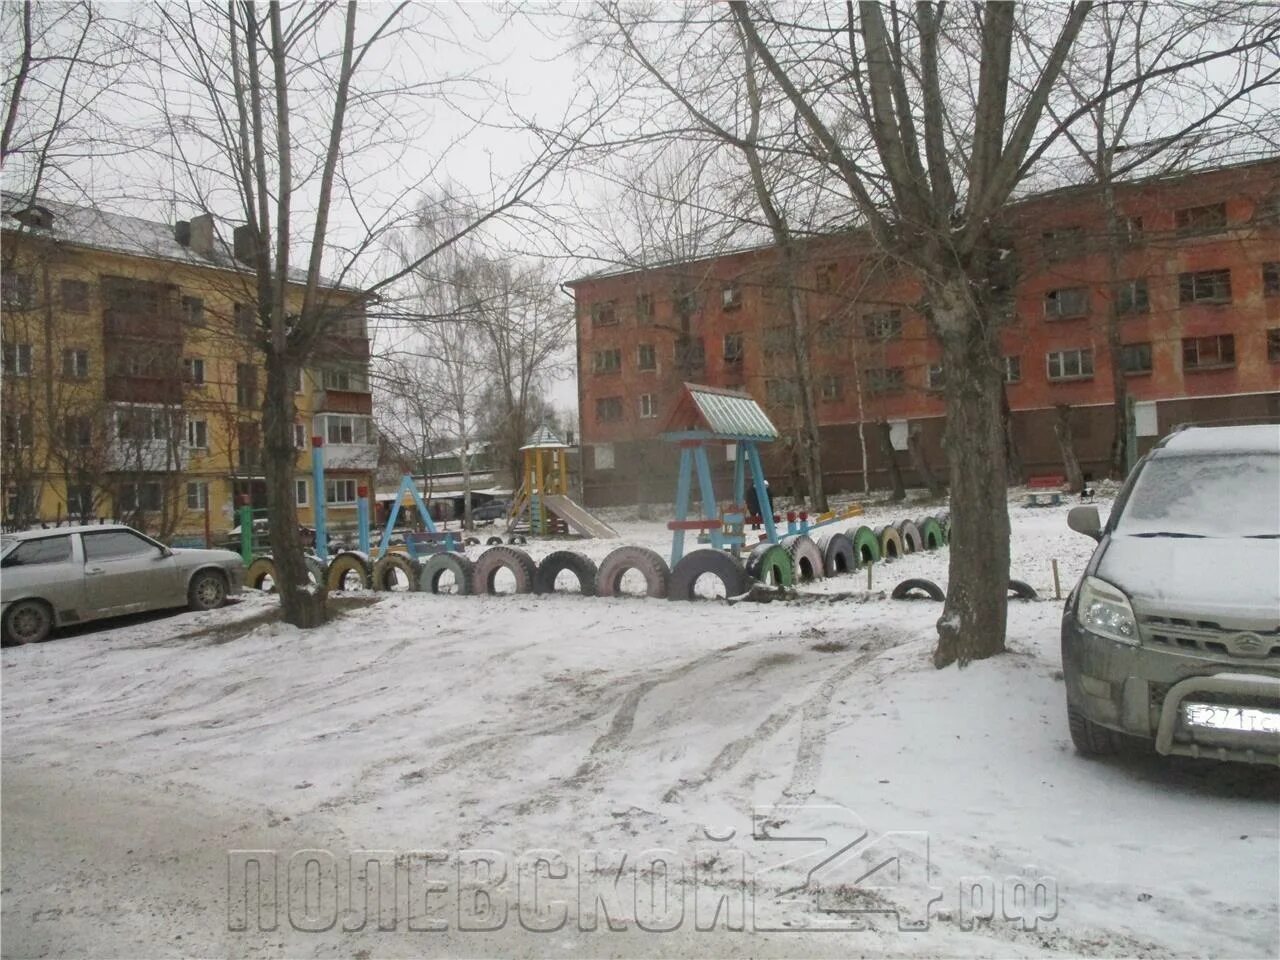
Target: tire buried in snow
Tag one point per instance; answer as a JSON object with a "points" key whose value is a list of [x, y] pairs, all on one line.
{"points": [[495, 559], [1020, 590], [866, 545], [930, 533], [837, 554], [457, 564], [904, 590], [890, 543], [912, 541], [806, 558], [771, 565], [685, 574], [343, 567], [386, 567], [259, 570], [554, 564], [650, 565]]}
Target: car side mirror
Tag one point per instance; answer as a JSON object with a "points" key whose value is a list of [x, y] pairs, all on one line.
{"points": [[1085, 520], [165, 553]]}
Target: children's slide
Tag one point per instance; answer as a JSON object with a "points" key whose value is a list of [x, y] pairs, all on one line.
{"points": [[578, 518]]}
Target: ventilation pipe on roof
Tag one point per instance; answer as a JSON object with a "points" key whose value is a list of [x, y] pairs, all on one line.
{"points": [[182, 232], [200, 235], [244, 245]]}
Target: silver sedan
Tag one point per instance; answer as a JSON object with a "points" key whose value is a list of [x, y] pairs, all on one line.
{"points": [[71, 575]]}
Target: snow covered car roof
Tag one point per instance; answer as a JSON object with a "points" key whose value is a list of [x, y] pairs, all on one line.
{"points": [[1251, 438]]}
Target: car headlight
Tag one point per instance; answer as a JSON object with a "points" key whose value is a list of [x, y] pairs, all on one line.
{"points": [[1106, 611]]}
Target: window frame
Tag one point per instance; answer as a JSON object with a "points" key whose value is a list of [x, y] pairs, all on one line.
{"points": [[1080, 354], [1132, 297], [189, 367], [19, 358], [875, 324], [1218, 340], [303, 486], [735, 340], [1017, 365], [201, 489], [1127, 351], [609, 404], [607, 360], [329, 487], [648, 410], [1190, 281], [604, 313], [193, 431], [1057, 298], [77, 370], [1191, 221], [651, 350]]}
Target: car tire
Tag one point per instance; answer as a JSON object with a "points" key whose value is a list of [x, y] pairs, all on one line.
{"points": [[27, 621], [554, 564], [685, 574], [910, 534], [458, 564], [493, 542], [259, 570], [771, 565], [866, 546], [1019, 590], [806, 558], [654, 569], [343, 566], [890, 543], [930, 532], [494, 559], [930, 589], [837, 554], [1092, 739], [385, 568], [207, 590]]}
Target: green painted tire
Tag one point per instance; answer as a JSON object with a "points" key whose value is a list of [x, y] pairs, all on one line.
{"points": [[931, 534], [771, 565], [866, 545]]}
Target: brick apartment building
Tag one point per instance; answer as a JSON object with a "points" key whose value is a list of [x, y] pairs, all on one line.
{"points": [[1198, 312]]}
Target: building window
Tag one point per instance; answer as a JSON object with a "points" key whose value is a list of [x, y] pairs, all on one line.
{"points": [[885, 379], [193, 371], [197, 494], [1271, 279], [17, 291], [644, 308], [602, 456], [687, 303], [1135, 358], [832, 387], [17, 359], [1063, 243], [1070, 364], [345, 429], [609, 409], [1012, 369], [340, 491], [297, 380], [198, 434], [604, 314], [1201, 353], [885, 325], [937, 378], [18, 430], [1131, 297], [75, 363], [79, 432], [1210, 218], [246, 385], [1273, 344], [301, 493], [731, 296], [646, 357], [691, 353], [79, 499], [778, 393], [1206, 286], [348, 379], [75, 296], [139, 496], [140, 424], [607, 361], [824, 278], [648, 410], [1130, 229], [1068, 302], [193, 311], [733, 347], [246, 319], [299, 436]]}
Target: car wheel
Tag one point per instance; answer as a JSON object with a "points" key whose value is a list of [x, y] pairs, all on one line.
{"points": [[27, 621], [208, 590], [1091, 739]]}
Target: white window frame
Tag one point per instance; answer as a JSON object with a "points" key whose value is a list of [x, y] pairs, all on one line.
{"points": [[194, 430], [21, 359], [300, 436], [190, 367], [1017, 359], [201, 490], [1061, 357], [302, 491], [79, 358], [332, 485], [648, 409], [331, 418]]}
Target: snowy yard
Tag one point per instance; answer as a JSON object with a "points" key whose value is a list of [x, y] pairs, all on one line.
{"points": [[136, 757]]}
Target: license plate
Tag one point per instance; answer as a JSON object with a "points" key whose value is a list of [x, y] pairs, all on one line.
{"points": [[1243, 719]]}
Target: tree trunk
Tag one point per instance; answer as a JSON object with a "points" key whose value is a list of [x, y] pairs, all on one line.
{"points": [[915, 448], [810, 436], [1070, 462], [1119, 385], [897, 490], [302, 605], [973, 619], [1013, 462]]}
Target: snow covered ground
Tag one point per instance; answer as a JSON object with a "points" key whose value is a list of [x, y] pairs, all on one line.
{"points": [[597, 731]]}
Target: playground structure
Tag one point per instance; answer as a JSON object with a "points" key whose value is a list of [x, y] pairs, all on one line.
{"points": [[542, 505]]}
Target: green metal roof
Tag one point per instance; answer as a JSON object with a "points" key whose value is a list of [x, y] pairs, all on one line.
{"points": [[545, 437], [732, 414]]}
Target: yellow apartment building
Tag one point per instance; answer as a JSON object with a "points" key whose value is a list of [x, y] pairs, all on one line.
{"points": [[131, 389]]}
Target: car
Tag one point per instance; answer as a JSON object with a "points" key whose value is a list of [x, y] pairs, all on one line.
{"points": [[68, 575], [1171, 639], [487, 513]]}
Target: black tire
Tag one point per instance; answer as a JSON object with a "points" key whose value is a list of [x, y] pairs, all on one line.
{"points": [[505, 558], [458, 564], [493, 542], [1022, 591], [317, 569], [471, 542], [516, 538], [259, 570], [837, 554], [904, 590], [346, 565], [910, 534], [770, 564], [207, 590], [656, 573], [1092, 739], [685, 574], [385, 570], [806, 558], [27, 621], [554, 564]]}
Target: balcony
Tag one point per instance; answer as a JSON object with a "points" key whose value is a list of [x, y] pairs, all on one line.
{"points": [[126, 389], [335, 347], [344, 401]]}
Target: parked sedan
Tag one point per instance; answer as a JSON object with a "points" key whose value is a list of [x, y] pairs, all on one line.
{"points": [[75, 574]]}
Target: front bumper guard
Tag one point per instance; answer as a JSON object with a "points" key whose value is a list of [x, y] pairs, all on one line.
{"points": [[1246, 685]]}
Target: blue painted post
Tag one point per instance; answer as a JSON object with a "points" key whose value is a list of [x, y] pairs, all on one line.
{"points": [[710, 510], [317, 484], [766, 507], [682, 504], [362, 518], [739, 477]]}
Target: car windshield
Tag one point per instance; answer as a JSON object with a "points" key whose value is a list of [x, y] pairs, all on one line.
{"points": [[1218, 495], [7, 544]]}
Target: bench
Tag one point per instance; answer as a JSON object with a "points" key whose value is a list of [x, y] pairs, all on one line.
{"points": [[1045, 490], [424, 543]]}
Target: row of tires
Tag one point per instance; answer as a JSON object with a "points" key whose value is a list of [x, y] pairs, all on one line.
{"points": [[796, 559]]}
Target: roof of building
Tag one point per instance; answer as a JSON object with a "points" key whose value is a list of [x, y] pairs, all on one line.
{"points": [[97, 229], [544, 438], [728, 414]]}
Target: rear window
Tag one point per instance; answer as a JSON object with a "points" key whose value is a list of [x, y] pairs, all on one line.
{"points": [[44, 550], [1218, 495]]}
